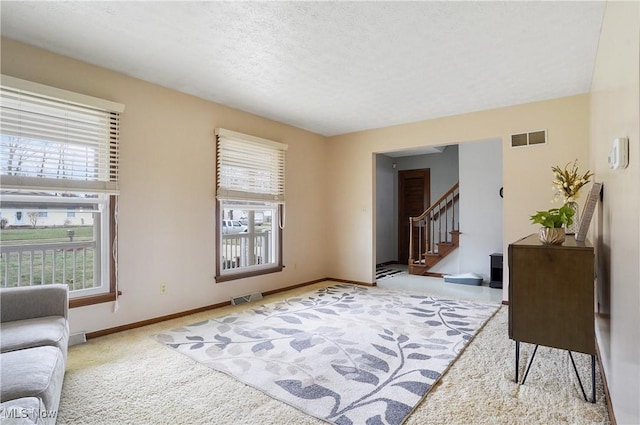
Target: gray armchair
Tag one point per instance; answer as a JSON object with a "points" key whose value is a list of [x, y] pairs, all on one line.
{"points": [[34, 336], [33, 316], [27, 302]]}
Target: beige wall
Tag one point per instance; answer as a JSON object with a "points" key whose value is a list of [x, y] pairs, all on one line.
{"points": [[166, 225], [615, 111], [527, 172]]}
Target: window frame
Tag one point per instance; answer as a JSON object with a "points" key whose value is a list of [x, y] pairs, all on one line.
{"points": [[106, 184], [245, 272], [275, 196], [103, 231], [113, 292]]}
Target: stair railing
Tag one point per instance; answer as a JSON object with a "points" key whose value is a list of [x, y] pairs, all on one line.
{"points": [[433, 226]]}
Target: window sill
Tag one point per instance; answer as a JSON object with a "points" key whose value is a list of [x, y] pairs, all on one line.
{"points": [[242, 275], [93, 299]]}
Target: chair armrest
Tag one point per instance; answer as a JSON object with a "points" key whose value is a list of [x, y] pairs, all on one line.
{"points": [[28, 302]]}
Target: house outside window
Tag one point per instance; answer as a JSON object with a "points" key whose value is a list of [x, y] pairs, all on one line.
{"points": [[250, 205], [58, 154]]}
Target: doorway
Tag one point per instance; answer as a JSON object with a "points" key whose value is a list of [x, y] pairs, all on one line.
{"points": [[414, 197]]}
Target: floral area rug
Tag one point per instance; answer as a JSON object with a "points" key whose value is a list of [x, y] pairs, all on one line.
{"points": [[345, 354]]}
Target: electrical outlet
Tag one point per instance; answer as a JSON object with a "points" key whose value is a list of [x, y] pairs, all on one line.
{"points": [[163, 288]]}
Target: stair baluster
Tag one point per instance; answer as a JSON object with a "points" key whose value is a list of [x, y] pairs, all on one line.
{"points": [[429, 252]]}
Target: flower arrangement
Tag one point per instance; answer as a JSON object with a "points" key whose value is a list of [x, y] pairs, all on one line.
{"points": [[568, 182]]}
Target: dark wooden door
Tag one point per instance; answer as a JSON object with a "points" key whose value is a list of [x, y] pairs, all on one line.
{"points": [[414, 197]]}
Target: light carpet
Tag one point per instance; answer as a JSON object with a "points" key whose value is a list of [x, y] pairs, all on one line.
{"points": [[347, 354], [128, 378]]}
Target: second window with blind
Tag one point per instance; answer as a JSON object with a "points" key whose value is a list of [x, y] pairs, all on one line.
{"points": [[59, 167], [250, 194]]}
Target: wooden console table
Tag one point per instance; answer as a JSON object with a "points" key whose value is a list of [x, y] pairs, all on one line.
{"points": [[551, 298]]}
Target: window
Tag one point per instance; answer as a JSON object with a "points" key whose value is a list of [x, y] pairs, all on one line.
{"points": [[59, 169], [250, 207], [56, 252]]}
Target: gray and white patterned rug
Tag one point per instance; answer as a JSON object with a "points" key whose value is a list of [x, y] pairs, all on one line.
{"points": [[346, 354]]}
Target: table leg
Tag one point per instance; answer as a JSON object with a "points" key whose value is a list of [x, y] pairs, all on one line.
{"points": [[517, 359], [593, 378], [533, 356]]}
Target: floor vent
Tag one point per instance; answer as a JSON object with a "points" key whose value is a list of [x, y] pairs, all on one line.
{"points": [[243, 299], [77, 339]]}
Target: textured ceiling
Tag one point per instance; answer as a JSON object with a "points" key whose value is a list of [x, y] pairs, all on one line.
{"points": [[330, 67]]}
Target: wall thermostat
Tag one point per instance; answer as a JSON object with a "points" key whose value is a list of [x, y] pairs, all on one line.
{"points": [[619, 155]]}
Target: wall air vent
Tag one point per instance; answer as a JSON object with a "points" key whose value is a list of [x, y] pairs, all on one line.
{"points": [[538, 137]]}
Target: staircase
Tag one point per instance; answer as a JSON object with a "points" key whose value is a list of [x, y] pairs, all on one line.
{"points": [[435, 233]]}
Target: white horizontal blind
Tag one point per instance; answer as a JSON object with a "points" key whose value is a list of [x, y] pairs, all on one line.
{"points": [[54, 144], [249, 168]]}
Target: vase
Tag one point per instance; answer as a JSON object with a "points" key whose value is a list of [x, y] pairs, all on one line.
{"points": [[573, 228], [552, 235]]}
